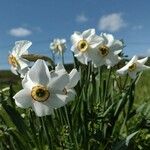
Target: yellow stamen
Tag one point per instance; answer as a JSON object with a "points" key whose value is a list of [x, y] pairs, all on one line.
{"points": [[12, 61], [104, 50], [40, 93], [132, 67], [82, 45]]}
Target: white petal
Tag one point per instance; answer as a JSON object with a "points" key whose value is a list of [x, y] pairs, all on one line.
{"points": [[23, 98], [23, 63], [70, 95], [142, 67], [74, 77], [27, 82], [96, 58], [41, 109], [22, 46], [63, 41], [60, 67], [132, 74], [108, 38], [39, 73], [23, 72], [57, 100], [88, 33], [58, 81], [143, 61], [95, 41], [117, 45], [117, 52], [122, 71], [76, 37], [13, 70], [112, 60], [133, 60]]}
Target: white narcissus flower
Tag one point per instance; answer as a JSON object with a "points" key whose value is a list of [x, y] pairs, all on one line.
{"points": [[133, 67], [107, 52], [84, 43], [42, 90], [58, 46], [19, 64], [74, 77]]}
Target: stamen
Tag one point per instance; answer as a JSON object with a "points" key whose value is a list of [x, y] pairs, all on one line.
{"points": [[40, 93], [132, 67], [82, 45], [12, 61], [104, 50], [65, 91]]}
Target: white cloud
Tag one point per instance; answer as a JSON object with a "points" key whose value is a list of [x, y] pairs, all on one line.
{"points": [[111, 22], [81, 18], [138, 27], [20, 32]]}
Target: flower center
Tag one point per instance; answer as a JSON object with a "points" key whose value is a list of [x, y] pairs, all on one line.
{"points": [[65, 91], [132, 67], [82, 45], [12, 61], [40, 93], [104, 50]]}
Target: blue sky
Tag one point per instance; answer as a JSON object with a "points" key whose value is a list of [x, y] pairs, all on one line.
{"points": [[42, 20]]}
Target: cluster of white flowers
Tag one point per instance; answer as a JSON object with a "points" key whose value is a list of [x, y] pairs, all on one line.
{"points": [[45, 90], [104, 49]]}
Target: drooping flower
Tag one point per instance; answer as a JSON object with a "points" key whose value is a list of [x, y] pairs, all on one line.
{"points": [[19, 64], [84, 43], [133, 67], [107, 52], [74, 77], [42, 90], [58, 46]]}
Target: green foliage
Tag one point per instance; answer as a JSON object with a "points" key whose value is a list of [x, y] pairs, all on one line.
{"points": [[105, 115]]}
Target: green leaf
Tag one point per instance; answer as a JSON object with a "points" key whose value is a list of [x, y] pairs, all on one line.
{"points": [[129, 137]]}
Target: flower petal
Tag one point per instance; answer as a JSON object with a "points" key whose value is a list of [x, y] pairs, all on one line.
{"points": [[142, 61], [27, 82], [41, 109], [88, 33], [23, 98], [74, 77], [122, 71], [108, 38], [23, 72], [57, 100], [13, 70], [132, 74], [60, 67], [76, 37], [39, 73], [23, 63], [70, 95], [21, 47], [117, 45], [95, 41], [58, 81]]}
